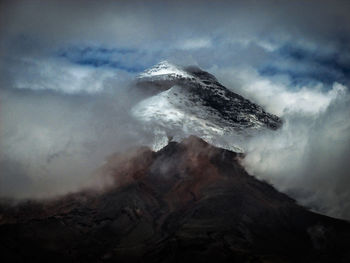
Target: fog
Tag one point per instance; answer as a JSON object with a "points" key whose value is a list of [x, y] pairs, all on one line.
{"points": [[52, 142]]}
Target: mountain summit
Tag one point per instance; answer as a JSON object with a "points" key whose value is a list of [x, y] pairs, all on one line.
{"points": [[189, 101], [164, 68]]}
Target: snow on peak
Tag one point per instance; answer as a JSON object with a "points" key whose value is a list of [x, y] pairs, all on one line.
{"points": [[190, 101], [175, 112], [165, 68]]}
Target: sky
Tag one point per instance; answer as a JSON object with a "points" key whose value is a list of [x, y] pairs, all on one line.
{"points": [[67, 68]]}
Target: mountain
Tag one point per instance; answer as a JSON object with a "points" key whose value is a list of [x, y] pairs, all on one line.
{"points": [[188, 202], [188, 100]]}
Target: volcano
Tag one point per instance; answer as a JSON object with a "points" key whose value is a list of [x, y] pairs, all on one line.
{"points": [[188, 202]]}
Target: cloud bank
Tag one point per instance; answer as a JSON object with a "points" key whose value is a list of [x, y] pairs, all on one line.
{"points": [[308, 157]]}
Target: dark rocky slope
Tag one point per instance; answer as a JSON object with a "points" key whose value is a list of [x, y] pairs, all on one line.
{"points": [[189, 202]]}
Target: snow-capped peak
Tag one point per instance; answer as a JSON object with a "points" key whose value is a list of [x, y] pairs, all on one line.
{"points": [[165, 68], [190, 101]]}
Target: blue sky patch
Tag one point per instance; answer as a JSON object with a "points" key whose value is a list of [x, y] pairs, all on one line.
{"points": [[103, 57], [303, 65]]}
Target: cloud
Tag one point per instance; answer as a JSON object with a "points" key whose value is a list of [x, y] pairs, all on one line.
{"points": [[308, 157], [189, 44], [279, 95], [52, 141], [58, 76]]}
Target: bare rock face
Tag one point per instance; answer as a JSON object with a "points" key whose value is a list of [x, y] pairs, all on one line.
{"points": [[189, 202]]}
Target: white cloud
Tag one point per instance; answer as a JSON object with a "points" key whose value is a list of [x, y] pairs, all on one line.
{"points": [[196, 43], [51, 142], [57, 75], [279, 96], [308, 156]]}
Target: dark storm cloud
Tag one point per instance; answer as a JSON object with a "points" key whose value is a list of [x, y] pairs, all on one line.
{"points": [[66, 68], [253, 33], [165, 26]]}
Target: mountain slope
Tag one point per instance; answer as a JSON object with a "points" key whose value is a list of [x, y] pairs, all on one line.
{"points": [[189, 202], [189, 101]]}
